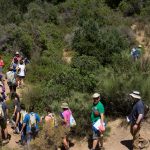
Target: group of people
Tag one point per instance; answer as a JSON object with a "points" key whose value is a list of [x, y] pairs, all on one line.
{"points": [[26, 121], [135, 120], [14, 77]]}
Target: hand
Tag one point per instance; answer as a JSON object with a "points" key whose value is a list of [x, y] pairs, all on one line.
{"points": [[135, 127], [96, 113]]}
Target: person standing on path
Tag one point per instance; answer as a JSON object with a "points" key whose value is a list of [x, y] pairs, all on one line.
{"points": [[135, 118], [1, 64], [3, 120], [11, 81], [97, 113], [21, 73], [65, 115]]}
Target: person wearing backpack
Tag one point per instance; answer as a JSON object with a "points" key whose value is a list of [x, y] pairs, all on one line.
{"points": [[30, 122], [135, 119], [50, 118], [3, 120], [20, 120], [2, 91], [33, 123], [11, 80], [97, 114], [65, 115]]}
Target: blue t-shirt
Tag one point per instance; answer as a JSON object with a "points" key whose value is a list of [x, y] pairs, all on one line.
{"points": [[27, 121], [138, 108]]}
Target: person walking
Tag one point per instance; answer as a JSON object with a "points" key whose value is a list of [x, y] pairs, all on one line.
{"points": [[135, 118], [21, 73], [65, 115], [11, 80], [30, 124], [1, 64], [50, 118], [3, 120], [97, 113]]}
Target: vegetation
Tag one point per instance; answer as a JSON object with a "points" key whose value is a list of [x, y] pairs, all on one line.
{"points": [[100, 38]]}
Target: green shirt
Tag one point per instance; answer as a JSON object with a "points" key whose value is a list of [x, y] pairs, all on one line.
{"points": [[100, 108]]}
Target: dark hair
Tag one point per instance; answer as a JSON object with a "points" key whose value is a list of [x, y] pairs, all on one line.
{"points": [[31, 108], [15, 95], [48, 109], [22, 106], [21, 62]]}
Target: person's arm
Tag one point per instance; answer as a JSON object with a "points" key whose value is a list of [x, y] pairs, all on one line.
{"points": [[138, 121], [15, 109], [102, 117], [7, 113], [17, 118], [23, 126]]}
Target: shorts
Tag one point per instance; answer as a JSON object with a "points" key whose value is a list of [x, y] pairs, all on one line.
{"points": [[96, 134], [3, 123], [12, 87]]}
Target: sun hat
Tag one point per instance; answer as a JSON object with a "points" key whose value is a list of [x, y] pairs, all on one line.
{"points": [[64, 105], [135, 94], [140, 46], [96, 95], [17, 53]]}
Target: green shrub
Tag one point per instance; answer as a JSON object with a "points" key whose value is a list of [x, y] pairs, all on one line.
{"points": [[102, 43]]}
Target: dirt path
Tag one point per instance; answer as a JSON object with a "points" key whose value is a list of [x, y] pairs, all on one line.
{"points": [[119, 139], [14, 137]]}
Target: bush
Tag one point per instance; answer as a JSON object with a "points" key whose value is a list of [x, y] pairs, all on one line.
{"points": [[102, 43]]}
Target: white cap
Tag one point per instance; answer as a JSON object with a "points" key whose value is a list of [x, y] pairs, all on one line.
{"points": [[96, 95], [17, 53], [135, 94]]}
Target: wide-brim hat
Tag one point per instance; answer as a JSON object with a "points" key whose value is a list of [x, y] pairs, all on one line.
{"points": [[96, 95], [17, 53], [64, 105], [140, 46], [135, 94]]}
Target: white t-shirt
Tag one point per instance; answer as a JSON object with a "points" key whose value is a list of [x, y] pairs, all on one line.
{"points": [[22, 70]]}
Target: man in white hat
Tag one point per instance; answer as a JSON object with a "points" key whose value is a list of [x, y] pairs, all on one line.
{"points": [[135, 118], [97, 113]]}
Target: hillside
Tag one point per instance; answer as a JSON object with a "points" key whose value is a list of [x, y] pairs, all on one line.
{"points": [[77, 48]]}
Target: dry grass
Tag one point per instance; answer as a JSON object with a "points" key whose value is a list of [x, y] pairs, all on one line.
{"points": [[49, 138]]}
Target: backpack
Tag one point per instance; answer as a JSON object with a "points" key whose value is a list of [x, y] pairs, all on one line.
{"points": [[32, 120], [146, 111], [52, 121], [1, 111], [72, 121], [10, 78], [23, 113]]}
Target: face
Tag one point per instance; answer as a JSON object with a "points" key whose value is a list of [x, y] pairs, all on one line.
{"points": [[96, 100]]}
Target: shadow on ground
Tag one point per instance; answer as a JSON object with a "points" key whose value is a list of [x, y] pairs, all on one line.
{"points": [[127, 143]]}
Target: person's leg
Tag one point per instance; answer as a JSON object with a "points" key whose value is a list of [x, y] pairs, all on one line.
{"points": [[136, 135], [65, 142], [96, 137], [95, 142], [102, 141]]}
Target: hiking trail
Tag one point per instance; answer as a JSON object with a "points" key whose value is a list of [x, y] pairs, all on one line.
{"points": [[120, 138]]}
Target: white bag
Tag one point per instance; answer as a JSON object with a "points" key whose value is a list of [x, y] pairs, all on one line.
{"points": [[72, 121]]}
